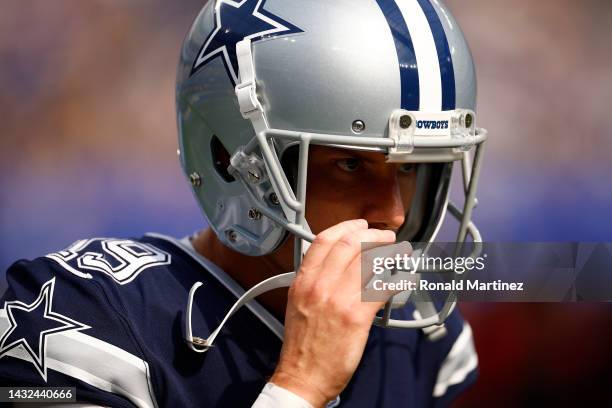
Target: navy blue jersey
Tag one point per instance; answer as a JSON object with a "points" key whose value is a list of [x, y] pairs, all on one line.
{"points": [[106, 316]]}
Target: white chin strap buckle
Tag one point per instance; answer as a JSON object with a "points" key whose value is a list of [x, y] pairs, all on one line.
{"points": [[246, 90]]}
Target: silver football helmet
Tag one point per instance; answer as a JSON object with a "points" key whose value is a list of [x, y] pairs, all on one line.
{"points": [[261, 80]]}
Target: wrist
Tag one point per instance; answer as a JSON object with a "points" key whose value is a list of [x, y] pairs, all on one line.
{"points": [[304, 389]]}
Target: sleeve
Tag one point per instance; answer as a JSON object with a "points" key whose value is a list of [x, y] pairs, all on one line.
{"points": [[60, 329], [459, 369], [273, 396]]}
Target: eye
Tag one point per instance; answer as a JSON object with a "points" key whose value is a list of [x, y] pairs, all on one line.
{"points": [[407, 168], [349, 165]]}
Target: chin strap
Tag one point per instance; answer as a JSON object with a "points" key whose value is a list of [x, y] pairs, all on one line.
{"points": [[199, 344]]}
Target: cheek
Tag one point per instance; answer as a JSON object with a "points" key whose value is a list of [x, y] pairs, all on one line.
{"points": [[407, 186], [328, 204]]}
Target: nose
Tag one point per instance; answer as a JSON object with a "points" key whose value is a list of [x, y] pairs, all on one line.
{"points": [[385, 208]]}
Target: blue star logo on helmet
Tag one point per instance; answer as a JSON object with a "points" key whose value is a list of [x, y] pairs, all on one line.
{"points": [[235, 21]]}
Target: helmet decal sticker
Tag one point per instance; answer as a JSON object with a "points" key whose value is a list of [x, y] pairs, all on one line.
{"points": [[420, 41], [409, 73], [447, 72], [235, 21]]}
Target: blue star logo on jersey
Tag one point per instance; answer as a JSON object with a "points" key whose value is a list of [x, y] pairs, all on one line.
{"points": [[31, 325], [235, 21]]}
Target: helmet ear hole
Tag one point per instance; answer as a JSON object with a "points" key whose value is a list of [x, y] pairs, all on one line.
{"points": [[289, 162], [221, 159]]}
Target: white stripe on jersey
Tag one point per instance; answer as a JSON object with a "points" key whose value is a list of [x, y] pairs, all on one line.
{"points": [[95, 362], [460, 361], [430, 79]]}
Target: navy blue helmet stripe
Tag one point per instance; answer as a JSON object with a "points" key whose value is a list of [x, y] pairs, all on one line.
{"points": [[447, 72], [409, 74]]}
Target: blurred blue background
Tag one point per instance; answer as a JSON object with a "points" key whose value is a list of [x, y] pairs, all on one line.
{"points": [[88, 146]]}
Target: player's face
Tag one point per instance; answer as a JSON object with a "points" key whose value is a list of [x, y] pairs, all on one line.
{"points": [[346, 184]]}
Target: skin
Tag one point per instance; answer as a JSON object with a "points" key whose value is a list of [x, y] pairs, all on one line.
{"points": [[326, 324]]}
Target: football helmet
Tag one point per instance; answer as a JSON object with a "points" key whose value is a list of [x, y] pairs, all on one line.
{"points": [[259, 81]]}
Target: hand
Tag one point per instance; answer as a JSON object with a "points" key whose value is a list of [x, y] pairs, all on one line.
{"points": [[326, 323]]}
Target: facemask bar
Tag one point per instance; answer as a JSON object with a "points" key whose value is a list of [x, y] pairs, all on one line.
{"points": [[404, 144], [400, 146], [426, 315], [299, 205]]}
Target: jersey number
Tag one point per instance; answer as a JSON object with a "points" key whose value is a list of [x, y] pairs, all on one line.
{"points": [[121, 259]]}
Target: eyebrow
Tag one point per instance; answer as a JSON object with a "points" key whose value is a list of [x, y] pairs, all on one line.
{"points": [[365, 156]]}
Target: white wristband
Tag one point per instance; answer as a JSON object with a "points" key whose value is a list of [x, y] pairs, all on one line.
{"points": [[273, 396]]}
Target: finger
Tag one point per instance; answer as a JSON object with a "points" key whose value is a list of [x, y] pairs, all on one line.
{"points": [[347, 248], [395, 284], [363, 265], [326, 239], [370, 301], [368, 304], [373, 260]]}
